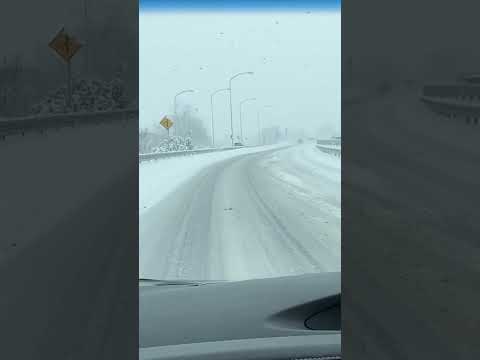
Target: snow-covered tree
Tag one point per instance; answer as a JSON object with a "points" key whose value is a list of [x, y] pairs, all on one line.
{"points": [[87, 96]]}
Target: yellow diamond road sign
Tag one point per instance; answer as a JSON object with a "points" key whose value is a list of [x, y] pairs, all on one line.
{"points": [[65, 45], [166, 123]]}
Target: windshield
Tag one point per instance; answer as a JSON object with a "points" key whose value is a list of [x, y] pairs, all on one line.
{"points": [[239, 143]]}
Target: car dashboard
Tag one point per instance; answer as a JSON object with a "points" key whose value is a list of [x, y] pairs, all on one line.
{"points": [[287, 318]]}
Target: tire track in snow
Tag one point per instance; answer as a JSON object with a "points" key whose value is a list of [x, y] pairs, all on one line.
{"points": [[289, 241]]}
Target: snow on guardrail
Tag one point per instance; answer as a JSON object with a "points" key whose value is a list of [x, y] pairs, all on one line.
{"points": [[337, 151], [40, 123], [163, 155], [335, 142]]}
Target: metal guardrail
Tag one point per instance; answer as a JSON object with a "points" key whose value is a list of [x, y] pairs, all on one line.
{"points": [[455, 90], [329, 142], [469, 111], [329, 150], [40, 123], [453, 103], [163, 155]]}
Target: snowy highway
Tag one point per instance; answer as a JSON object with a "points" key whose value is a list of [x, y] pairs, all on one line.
{"points": [[262, 212]]}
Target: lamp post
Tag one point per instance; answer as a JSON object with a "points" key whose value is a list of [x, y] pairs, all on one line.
{"points": [[211, 106], [241, 125], [258, 126], [231, 111], [258, 121], [175, 103]]}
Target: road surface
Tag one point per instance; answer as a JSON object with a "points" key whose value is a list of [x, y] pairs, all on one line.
{"points": [[258, 215], [410, 248], [68, 271]]}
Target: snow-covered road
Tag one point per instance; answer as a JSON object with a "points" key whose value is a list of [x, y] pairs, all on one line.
{"points": [[253, 215]]}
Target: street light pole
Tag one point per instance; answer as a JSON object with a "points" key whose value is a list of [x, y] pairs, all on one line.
{"points": [[241, 126], [211, 106], [258, 125], [231, 110], [175, 104], [258, 122]]}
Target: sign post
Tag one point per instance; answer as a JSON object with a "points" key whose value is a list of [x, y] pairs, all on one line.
{"points": [[66, 47], [69, 84], [167, 124]]}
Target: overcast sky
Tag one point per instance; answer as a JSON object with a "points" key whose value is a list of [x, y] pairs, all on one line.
{"points": [[295, 56]]}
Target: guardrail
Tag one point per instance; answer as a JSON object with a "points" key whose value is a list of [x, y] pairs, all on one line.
{"points": [[163, 155], [40, 123], [329, 142], [469, 111], [458, 103], [329, 150], [459, 91]]}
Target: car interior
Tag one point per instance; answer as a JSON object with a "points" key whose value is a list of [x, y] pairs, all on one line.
{"points": [[293, 317]]}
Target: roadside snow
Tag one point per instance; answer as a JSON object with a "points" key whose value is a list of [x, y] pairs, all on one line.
{"points": [[310, 174], [336, 147]]}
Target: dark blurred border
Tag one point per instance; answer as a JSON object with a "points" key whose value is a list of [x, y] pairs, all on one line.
{"points": [[410, 132], [69, 184]]}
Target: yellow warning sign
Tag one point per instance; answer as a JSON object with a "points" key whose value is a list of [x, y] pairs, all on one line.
{"points": [[65, 45], [166, 123]]}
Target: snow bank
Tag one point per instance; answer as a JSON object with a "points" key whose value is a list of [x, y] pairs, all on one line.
{"points": [[87, 96], [309, 173], [174, 143]]}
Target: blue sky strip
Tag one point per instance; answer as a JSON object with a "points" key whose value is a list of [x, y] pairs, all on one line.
{"points": [[239, 5]]}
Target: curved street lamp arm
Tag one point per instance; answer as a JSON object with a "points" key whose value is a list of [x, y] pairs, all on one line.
{"points": [[242, 73], [219, 90]]}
